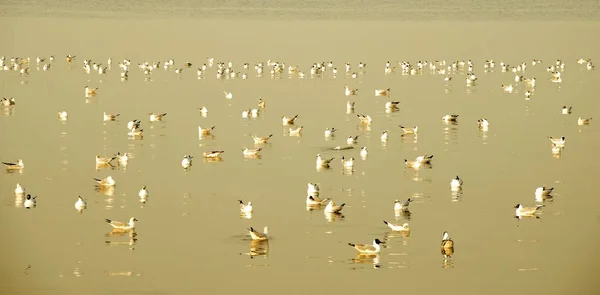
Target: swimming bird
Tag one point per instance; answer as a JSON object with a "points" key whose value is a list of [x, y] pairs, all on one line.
{"points": [[526, 211], [80, 204], [528, 94], [63, 116], [332, 208], [543, 191], [507, 88], [408, 130], [100, 161], [315, 201], [134, 124], [228, 95], [121, 225], [213, 154], [106, 182], [394, 227], [255, 235], [143, 193], [456, 183], [382, 92], [415, 164], [560, 142], [350, 106], [203, 111], [483, 123], [450, 118], [296, 132], [384, 136], [7, 102], [123, 159], [583, 121], [251, 152], [245, 208], [261, 103], [350, 91], [364, 152], [368, 249], [364, 119], [447, 243], [288, 120], [352, 139], [156, 117], [136, 132], [19, 190], [566, 110], [401, 206], [392, 105], [258, 140], [330, 132], [187, 161], [323, 162], [30, 202], [313, 189], [14, 166], [348, 164], [426, 159], [205, 131], [90, 91], [110, 117]]}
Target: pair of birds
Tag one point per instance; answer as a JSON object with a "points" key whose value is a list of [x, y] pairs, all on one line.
{"points": [[447, 246]]}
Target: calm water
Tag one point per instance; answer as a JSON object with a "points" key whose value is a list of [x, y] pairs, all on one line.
{"points": [[190, 237]]}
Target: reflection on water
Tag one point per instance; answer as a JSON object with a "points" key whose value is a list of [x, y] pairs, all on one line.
{"points": [[372, 259], [259, 248]]}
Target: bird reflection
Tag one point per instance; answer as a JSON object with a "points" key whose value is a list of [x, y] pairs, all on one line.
{"points": [[456, 194], [203, 136], [104, 166], [259, 248], [106, 190], [402, 214], [115, 232], [374, 259], [332, 217], [213, 160], [246, 215], [19, 199]]}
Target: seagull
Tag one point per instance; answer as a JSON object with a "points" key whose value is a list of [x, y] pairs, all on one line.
{"points": [[394, 227], [133, 124], [261, 103], [543, 191], [583, 121], [245, 208], [364, 152], [136, 132], [332, 208], [368, 249], [90, 91], [450, 118], [156, 117], [483, 124], [251, 152], [106, 182], [349, 91], [401, 206], [80, 204], [288, 121], [456, 183], [526, 211], [121, 225], [63, 116], [350, 107], [392, 105], [382, 92], [14, 166], [205, 131], [313, 189], [30, 202], [559, 142], [447, 243], [144, 194], [323, 162], [347, 163], [203, 111], [364, 119], [408, 130], [352, 139], [187, 161], [330, 132], [104, 161], [296, 132], [213, 154], [19, 190], [426, 159], [507, 88], [259, 236], [110, 117], [265, 139], [384, 136], [228, 95], [566, 110], [123, 159]]}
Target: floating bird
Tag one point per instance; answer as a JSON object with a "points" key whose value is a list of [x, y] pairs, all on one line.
{"points": [[384, 136], [403, 228], [288, 121], [19, 190], [456, 183], [315, 201], [350, 107], [80, 204], [143, 193], [349, 91], [583, 121], [258, 140], [14, 166], [251, 152], [134, 124], [330, 132], [245, 208], [261, 103], [527, 211], [401, 206], [323, 162], [382, 92], [228, 95], [352, 139], [560, 142], [364, 119], [296, 132], [364, 152], [408, 130], [450, 118], [543, 191], [426, 159], [507, 88], [90, 91], [313, 189], [63, 116], [205, 131], [109, 117], [483, 124], [100, 161], [348, 164], [106, 182], [447, 243], [30, 202], [213, 154], [259, 236], [123, 159], [566, 110], [121, 225], [332, 208], [156, 117], [187, 161], [203, 111], [392, 105], [368, 249]]}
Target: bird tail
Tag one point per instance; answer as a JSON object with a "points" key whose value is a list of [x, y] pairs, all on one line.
{"points": [[351, 245], [108, 220]]}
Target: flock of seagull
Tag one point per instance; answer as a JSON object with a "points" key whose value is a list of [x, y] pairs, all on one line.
{"points": [[313, 199]]}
